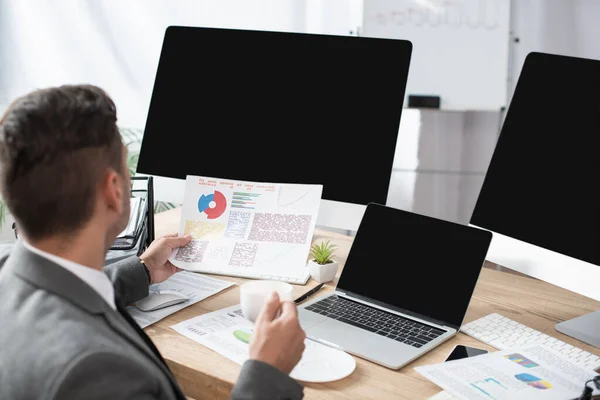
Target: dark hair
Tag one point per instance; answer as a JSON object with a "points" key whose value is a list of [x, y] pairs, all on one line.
{"points": [[55, 144]]}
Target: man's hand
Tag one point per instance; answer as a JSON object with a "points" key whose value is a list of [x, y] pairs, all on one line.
{"points": [[156, 257], [278, 340]]}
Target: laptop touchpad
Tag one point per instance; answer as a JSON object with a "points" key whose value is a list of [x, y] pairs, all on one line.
{"points": [[362, 342], [343, 335], [309, 319]]}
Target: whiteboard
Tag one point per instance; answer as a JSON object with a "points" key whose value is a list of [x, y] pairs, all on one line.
{"points": [[460, 47]]}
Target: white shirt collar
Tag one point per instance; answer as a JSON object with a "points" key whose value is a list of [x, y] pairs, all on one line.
{"points": [[97, 280]]}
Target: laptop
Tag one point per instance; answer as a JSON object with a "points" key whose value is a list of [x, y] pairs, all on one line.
{"points": [[404, 289]]}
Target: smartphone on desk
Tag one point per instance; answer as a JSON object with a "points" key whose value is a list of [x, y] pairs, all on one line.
{"points": [[459, 351]]}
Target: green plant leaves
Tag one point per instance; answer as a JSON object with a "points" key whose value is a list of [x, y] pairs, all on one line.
{"points": [[322, 253], [132, 138], [132, 161], [160, 206]]}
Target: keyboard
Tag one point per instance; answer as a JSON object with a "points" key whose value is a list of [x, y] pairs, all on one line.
{"points": [[504, 333], [377, 321]]}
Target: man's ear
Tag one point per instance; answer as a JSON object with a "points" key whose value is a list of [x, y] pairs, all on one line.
{"points": [[111, 191]]}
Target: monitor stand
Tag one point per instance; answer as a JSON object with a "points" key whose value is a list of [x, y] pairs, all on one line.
{"points": [[585, 328]]}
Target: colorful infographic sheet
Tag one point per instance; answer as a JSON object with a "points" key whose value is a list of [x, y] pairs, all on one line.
{"points": [[249, 229], [531, 372]]}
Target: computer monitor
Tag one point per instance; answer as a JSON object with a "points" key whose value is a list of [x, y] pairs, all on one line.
{"points": [[541, 193], [277, 107]]}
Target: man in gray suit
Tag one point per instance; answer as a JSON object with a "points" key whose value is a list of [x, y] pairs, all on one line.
{"points": [[64, 332]]}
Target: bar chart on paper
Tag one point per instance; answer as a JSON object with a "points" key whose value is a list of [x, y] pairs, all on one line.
{"points": [[248, 229], [244, 200], [490, 387]]}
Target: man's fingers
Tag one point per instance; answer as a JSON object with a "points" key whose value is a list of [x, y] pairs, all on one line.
{"points": [[179, 241], [168, 235], [289, 308], [270, 308], [172, 267]]}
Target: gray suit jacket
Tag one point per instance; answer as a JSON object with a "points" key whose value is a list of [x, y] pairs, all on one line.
{"points": [[60, 340]]}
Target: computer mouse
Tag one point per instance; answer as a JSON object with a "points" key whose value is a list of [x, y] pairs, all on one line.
{"points": [[162, 299]]}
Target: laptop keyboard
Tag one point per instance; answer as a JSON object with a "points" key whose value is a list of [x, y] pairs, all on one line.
{"points": [[377, 321]]}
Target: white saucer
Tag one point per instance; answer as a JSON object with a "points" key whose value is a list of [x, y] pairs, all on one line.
{"points": [[320, 363]]}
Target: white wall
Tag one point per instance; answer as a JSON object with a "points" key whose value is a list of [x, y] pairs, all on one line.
{"points": [[568, 27]]}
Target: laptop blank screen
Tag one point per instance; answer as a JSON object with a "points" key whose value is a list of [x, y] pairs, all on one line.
{"points": [[415, 263]]}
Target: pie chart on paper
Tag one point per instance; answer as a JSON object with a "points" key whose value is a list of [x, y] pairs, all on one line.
{"points": [[213, 205]]}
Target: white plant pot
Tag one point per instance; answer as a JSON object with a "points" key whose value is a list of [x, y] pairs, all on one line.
{"points": [[323, 273]]}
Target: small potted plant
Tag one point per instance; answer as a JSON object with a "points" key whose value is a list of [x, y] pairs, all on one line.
{"points": [[322, 265]]}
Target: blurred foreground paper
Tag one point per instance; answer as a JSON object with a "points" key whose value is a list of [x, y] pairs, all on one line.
{"points": [[531, 372]]}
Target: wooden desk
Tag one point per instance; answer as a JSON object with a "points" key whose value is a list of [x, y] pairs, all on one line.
{"points": [[204, 374]]}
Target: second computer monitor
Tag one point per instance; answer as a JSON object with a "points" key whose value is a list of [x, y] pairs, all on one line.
{"points": [[278, 107], [541, 193]]}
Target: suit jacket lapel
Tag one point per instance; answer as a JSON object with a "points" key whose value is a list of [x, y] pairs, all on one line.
{"points": [[116, 321], [45, 274]]}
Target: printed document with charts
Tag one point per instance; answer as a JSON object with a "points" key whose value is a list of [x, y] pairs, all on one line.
{"points": [[248, 229], [534, 371]]}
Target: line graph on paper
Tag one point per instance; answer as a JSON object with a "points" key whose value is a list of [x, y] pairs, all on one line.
{"points": [[296, 198], [275, 257], [282, 260]]}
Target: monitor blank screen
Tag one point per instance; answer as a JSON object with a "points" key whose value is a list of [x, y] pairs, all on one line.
{"points": [[542, 186], [278, 107]]}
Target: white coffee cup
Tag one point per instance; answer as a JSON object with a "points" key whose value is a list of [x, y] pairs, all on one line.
{"points": [[253, 295]]}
